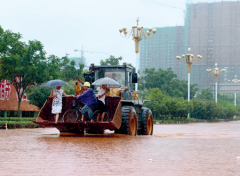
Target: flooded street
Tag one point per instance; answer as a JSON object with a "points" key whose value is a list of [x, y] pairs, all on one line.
{"points": [[180, 149]]}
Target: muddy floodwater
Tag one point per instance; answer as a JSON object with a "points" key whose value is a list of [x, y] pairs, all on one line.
{"points": [[181, 149]]}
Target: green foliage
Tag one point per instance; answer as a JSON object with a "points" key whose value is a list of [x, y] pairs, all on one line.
{"points": [[23, 61], [8, 39], [203, 109], [206, 109], [53, 70], [63, 69], [228, 108], [166, 106], [206, 94], [134, 69], [16, 119], [166, 81], [70, 88], [111, 60], [38, 94]]}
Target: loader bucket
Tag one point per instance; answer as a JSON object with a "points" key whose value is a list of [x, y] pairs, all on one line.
{"points": [[46, 118]]}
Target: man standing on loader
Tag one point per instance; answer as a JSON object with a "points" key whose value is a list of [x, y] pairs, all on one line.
{"points": [[89, 76]]}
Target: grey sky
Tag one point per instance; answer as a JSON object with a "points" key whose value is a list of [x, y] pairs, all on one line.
{"points": [[65, 25]]}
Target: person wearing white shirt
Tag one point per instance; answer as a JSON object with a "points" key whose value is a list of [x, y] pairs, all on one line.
{"points": [[101, 102]]}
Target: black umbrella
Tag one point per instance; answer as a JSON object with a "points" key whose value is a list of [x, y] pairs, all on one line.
{"points": [[54, 83]]}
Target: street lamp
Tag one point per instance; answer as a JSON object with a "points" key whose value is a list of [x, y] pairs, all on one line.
{"points": [[189, 59], [138, 33], [216, 72], [235, 97]]}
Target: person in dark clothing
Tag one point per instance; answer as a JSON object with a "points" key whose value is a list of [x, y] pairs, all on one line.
{"points": [[89, 76], [89, 100]]}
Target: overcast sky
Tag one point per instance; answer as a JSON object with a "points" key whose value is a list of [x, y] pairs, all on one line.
{"points": [[65, 25]]}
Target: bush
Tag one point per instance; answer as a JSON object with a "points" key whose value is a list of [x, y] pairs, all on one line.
{"points": [[164, 106], [229, 110], [38, 94]]}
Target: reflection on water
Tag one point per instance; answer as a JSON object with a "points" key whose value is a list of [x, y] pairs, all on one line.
{"points": [[184, 149]]}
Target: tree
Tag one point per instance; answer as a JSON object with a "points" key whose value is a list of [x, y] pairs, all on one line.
{"points": [[69, 71], [8, 40], [23, 64], [53, 70], [134, 69], [164, 105], [111, 60], [39, 94], [166, 81], [206, 94]]}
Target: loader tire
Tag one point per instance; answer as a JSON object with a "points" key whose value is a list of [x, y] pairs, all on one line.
{"points": [[146, 122], [129, 121]]}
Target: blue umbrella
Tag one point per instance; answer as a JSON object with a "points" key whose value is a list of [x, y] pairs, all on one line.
{"points": [[54, 83]]}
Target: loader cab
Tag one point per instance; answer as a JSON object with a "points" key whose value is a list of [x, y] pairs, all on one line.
{"points": [[123, 74]]}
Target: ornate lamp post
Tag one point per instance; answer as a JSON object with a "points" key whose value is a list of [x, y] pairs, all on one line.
{"points": [[189, 58], [235, 97], [216, 72], [138, 33]]}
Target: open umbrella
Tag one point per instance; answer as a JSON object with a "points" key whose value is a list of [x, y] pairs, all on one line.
{"points": [[111, 83], [54, 83]]}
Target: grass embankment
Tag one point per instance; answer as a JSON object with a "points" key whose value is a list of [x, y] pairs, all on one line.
{"points": [[17, 122], [191, 120]]}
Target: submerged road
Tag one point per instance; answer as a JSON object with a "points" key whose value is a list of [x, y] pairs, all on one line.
{"points": [[179, 149]]}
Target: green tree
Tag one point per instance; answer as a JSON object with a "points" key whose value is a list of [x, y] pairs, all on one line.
{"points": [[8, 40], [23, 64], [206, 94], [229, 110], [111, 60], [166, 81], [166, 106], [53, 70], [134, 69], [39, 94], [158, 101], [69, 70]]}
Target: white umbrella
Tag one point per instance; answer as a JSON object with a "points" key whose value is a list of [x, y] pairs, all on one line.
{"points": [[111, 83]]}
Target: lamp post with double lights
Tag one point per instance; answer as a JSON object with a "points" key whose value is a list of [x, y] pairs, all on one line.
{"points": [[235, 97], [138, 34], [189, 59], [216, 72]]}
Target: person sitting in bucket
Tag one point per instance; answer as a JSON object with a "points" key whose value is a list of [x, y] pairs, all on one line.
{"points": [[89, 100]]}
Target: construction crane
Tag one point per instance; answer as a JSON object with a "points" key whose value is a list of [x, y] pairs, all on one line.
{"points": [[83, 51], [166, 5], [161, 4]]}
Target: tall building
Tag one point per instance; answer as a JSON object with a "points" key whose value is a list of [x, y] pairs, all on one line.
{"points": [[160, 51], [212, 29]]}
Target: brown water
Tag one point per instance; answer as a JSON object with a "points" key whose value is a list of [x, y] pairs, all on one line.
{"points": [[184, 149]]}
